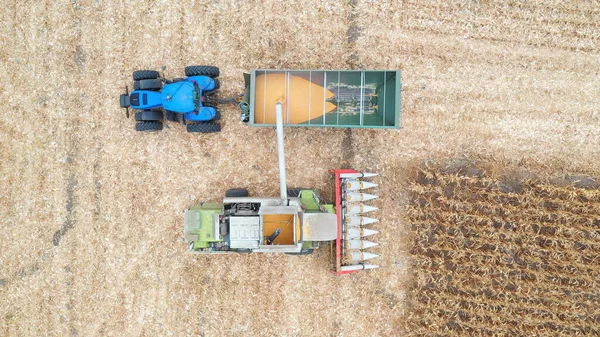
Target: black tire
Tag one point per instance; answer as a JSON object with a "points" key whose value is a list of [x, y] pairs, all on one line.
{"points": [[295, 192], [151, 84], [217, 84], [303, 252], [210, 71], [136, 85], [149, 116], [148, 126], [172, 116], [204, 127], [145, 75], [236, 193]]}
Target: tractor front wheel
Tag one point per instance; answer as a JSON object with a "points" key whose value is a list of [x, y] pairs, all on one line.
{"points": [[210, 71], [206, 127], [145, 75]]}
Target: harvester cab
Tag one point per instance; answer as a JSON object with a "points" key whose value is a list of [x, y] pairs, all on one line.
{"points": [[296, 222]]}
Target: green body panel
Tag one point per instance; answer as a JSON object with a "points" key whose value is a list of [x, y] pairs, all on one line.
{"points": [[308, 200], [204, 215], [363, 98], [311, 205], [311, 202], [329, 208], [210, 206]]}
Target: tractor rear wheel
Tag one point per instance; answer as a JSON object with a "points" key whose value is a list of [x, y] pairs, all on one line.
{"points": [[205, 127], [172, 116], [236, 193], [210, 71], [148, 126], [145, 75]]}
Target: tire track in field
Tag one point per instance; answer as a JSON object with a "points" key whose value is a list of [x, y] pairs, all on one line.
{"points": [[80, 60], [76, 58], [41, 264]]}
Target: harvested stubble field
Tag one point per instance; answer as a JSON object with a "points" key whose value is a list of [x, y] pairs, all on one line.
{"points": [[90, 235]]}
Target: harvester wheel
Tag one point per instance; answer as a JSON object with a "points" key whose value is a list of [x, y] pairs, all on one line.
{"points": [[210, 71], [204, 127], [236, 193], [145, 75], [303, 252], [148, 126], [295, 192], [217, 84], [136, 85]]}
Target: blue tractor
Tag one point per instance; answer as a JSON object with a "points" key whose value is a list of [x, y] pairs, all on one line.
{"points": [[190, 101]]}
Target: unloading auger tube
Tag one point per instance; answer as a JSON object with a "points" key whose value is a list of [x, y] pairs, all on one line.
{"points": [[281, 153]]}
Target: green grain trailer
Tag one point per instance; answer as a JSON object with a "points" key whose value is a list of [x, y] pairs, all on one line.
{"points": [[324, 98]]}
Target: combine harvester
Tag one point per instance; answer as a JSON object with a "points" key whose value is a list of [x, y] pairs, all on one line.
{"points": [[296, 223]]}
